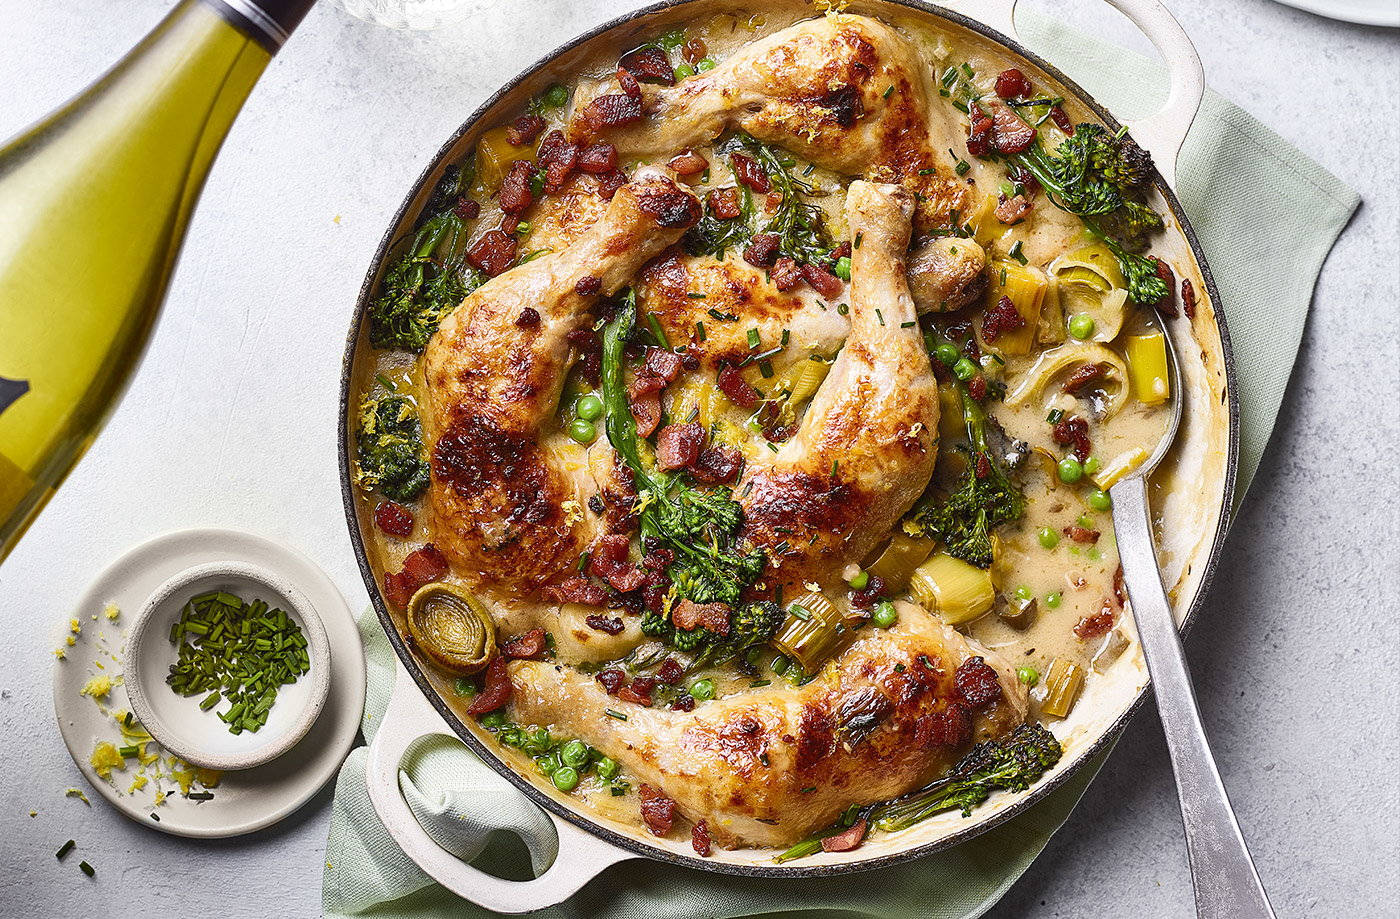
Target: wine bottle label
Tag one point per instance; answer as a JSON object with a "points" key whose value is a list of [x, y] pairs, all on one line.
{"points": [[11, 390], [268, 22]]}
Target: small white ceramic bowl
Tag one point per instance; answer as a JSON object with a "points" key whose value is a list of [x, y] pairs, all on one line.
{"points": [[201, 737]]}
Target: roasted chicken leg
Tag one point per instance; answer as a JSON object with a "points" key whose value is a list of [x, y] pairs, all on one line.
{"points": [[866, 447], [493, 373], [770, 766]]}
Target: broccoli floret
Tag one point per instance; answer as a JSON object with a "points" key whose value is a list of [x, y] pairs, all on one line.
{"points": [[389, 453], [1131, 226], [690, 639], [755, 624], [985, 498], [418, 290], [1014, 763], [1098, 176], [1139, 274], [656, 625]]}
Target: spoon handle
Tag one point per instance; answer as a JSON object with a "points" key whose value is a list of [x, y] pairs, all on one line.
{"points": [[1222, 873]]}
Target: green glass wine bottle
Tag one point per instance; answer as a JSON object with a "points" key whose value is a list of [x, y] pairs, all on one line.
{"points": [[94, 203]]}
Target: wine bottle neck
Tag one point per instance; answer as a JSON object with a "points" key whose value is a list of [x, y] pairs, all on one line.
{"points": [[268, 22]]}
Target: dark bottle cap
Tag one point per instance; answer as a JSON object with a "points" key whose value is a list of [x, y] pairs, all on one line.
{"points": [[268, 22]]}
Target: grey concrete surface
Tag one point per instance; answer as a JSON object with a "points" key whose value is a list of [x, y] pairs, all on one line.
{"points": [[229, 423]]}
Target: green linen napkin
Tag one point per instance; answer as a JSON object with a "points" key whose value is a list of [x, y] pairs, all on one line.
{"points": [[1227, 158]]}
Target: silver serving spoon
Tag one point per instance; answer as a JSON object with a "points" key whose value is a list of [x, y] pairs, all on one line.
{"points": [[1222, 873]]}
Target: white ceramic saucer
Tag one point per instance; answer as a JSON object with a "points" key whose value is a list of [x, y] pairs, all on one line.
{"points": [[245, 800]]}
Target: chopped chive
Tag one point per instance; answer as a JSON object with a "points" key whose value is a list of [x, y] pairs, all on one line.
{"points": [[843, 308], [753, 339], [700, 330], [87, 869], [127, 752], [612, 714], [1015, 252], [927, 172], [962, 167], [65, 849], [889, 91], [694, 295], [879, 315]]}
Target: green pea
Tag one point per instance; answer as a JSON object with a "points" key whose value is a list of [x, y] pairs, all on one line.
{"points": [[565, 778], [1028, 675], [1099, 500], [706, 63], [842, 268], [1048, 537], [583, 431], [1092, 465], [589, 408], [1095, 554], [1081, 325], [547, 765], [885, 614], [1053, 600], [574, 753], [556, 96], [493, 720], [684, 70], [464, 686], [947, 352], [964, 369], [1085, 521], [1071, 470], [606, 768], [860, 580], [703, 690], [1023, 592]]}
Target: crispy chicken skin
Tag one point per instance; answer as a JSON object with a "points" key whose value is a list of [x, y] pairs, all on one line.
{"points": [[866, 447], [770, 766], [846, 92], [493, 375]]}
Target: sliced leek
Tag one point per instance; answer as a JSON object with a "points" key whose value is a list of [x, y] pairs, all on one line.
{"points": [[1062, 686], [952, 589], [896, 564], [1120, 466], [1089, 281], [1147, 367], [1024, 286], [450, 626], [1052, 364], [811, 633], [803, 378]]}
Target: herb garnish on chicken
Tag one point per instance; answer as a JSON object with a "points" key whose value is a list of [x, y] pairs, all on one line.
{"points": [[796, 221]]}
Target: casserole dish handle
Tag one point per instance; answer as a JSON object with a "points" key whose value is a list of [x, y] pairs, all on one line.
{"points": [[1163, 132], [409, 717]]}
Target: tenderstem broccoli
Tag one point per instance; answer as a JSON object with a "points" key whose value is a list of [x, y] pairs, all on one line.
{"points": [[700, 526], [1014, 764], [985, 498]]}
